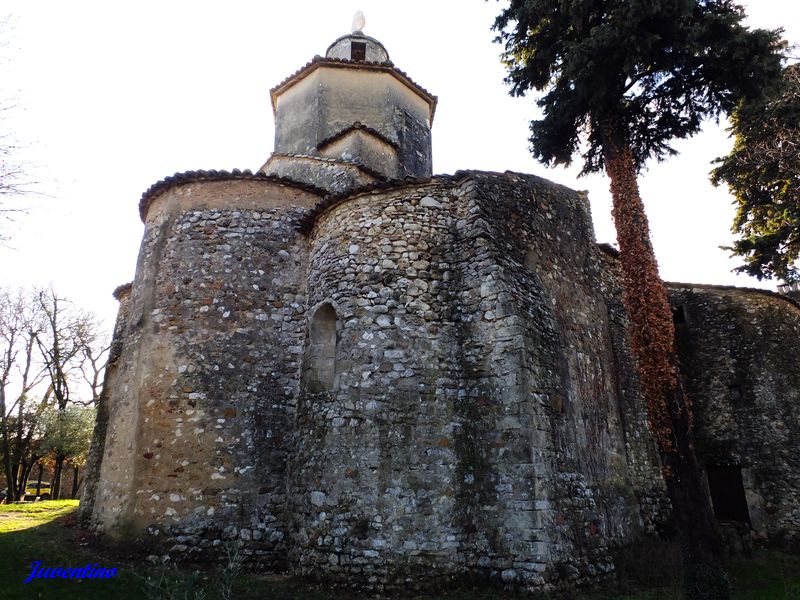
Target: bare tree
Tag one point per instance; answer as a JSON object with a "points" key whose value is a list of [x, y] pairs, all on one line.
{"points": [[15, 174], [14, 180], [20, 373], [52, 355], [93, 365], [70, 339]]}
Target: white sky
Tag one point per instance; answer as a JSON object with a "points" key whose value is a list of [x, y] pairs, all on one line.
{"points": [[113, 96]]}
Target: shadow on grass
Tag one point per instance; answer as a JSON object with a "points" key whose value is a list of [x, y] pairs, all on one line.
{"points": [[768, 575], [52, 543], [44, 533]]}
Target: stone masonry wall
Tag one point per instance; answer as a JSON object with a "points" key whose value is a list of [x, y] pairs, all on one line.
{"points": [[739, 353], [473, 428], [204, 389], [92, 472], [433, 385], [333, 175], [373, 472], [566, 488], [331, 96], [644, 463]]}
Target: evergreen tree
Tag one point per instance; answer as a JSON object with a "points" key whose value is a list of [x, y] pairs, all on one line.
{"points": [[763, 173], [622, 78]]}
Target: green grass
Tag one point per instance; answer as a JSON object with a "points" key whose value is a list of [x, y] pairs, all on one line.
{"points": [[769, 575], [16, 517], [45, 531], [40, 531]]}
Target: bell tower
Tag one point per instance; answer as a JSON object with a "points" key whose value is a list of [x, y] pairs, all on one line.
{"points": [[351, 118]]}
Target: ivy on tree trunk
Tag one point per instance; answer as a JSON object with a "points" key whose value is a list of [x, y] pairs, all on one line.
{"points": [[668, 408]]}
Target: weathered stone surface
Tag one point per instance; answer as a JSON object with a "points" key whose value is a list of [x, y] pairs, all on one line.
{"points": [[199, 401], [467, 407], [351, 113], [417, 383], [740, 354], [466, 421]]}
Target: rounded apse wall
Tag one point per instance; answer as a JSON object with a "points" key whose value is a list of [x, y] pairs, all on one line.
{"points": [[200, 403], [373, 471]]}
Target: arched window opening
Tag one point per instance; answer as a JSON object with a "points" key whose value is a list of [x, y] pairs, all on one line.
{"points": [[320, 368]]}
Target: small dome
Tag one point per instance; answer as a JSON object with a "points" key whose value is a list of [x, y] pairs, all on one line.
{"points": [[359, 47]]}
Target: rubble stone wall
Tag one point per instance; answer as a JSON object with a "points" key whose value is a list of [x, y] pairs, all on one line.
{"points": [[566, 487], [473, 427], [431, 383], [203, 391], [739, 354], [373, 473]]}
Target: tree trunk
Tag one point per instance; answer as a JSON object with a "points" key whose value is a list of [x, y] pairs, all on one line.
{"points": [[11, 479], [669, 410], [74, 493], [19, 480], [18, 471], [24, 477], [39, 480], [56, 485], [5, 448]]}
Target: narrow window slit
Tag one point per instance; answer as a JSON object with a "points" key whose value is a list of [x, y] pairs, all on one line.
{"points": [[320, 368], [735, 392]]}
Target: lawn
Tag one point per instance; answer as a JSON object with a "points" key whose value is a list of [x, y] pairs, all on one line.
{"points": [[16, 517], [38, 532], [45, 532]]}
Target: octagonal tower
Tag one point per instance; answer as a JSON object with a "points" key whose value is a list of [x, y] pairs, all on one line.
{"points": [[350, 119]]}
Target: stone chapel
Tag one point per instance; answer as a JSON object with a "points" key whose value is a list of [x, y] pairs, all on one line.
{"points": [[374, 376]]}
